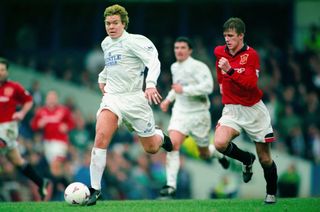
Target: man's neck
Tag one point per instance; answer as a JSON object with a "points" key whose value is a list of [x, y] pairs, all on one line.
{"points": [[237, 49]]}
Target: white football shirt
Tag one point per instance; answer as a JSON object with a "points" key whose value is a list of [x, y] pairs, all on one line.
{"points": [[197, 82], [125, 61]]}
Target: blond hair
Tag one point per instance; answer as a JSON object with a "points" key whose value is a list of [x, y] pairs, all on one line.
{"points": [[117, 10]]}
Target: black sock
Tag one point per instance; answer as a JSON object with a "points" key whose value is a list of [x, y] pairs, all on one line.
{"points": [[271, 176], [234, 152], [29, 172]]}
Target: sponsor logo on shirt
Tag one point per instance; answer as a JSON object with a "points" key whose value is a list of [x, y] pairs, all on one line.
{"points": [[112, 60], [240, 70], [4, 99]]}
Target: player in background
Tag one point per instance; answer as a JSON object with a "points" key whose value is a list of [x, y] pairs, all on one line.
{"points": [[12, 94], [192, 84], [126, 57], [238, 69], [54, 121]]}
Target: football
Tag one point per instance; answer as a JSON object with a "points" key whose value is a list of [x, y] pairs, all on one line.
{"points": [[76, 193]]}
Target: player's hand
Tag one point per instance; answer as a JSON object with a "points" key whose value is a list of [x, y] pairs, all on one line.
{"points": [[165, 105], [153, 95], [224, 64], [42, 122], [63, 128], [101, 87], [177, 88], [18, 116]]}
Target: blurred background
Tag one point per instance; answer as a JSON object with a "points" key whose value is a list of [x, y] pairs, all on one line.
{"points": [[55, 45]]}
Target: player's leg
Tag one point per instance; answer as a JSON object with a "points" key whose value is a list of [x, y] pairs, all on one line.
{"points": [[26, 169], [152, 144], [172, 164], [223, 143], [209, 152], [140, 117], [107, 124], [270, 171]]}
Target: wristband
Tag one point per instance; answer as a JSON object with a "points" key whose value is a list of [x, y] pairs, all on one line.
{"points": [[230, 71]]}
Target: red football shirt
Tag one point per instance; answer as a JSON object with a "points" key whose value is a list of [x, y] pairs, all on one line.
{"points": [[12, 94], [241, 86], [53, 118]]}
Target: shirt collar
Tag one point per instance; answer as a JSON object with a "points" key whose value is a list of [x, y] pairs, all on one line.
{"points": [[244, 48]]}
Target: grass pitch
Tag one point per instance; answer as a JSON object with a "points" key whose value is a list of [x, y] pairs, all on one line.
{"points": [[234, 205]]}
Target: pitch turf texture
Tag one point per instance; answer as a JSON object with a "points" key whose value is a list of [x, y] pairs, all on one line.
{"points": [[234, 205]]}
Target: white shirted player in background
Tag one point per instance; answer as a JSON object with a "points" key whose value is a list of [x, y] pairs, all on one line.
{"points": [[126, 57], [192, 83]]}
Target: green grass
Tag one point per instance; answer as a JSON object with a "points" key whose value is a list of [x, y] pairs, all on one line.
{"points": [[234, 205]]}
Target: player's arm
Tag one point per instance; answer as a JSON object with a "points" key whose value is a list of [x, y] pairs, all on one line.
{"points": [[170, 98], [102, 79], [144, 49], [35, 122], [24, 98], [218, 70], [67, 123], [247, 79], [204, 85], [19, 115]]}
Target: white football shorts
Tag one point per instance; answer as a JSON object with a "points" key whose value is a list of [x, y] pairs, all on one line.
{"points": [[55, 150], [133, 110], [8, 135], [195, 124], [254, 120]]}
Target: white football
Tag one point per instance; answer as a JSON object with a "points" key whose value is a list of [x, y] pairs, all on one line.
{"points": [[76, 193]]}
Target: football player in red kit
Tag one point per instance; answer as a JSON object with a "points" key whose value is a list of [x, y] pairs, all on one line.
{"points": [[12, 94], [238, 68]]}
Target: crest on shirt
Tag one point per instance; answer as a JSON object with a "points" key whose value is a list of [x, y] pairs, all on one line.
{"points": [[8, 91], [244, 59]]}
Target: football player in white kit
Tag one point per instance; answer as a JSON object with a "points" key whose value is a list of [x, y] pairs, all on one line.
{"points": [[192, 83], [126, 57]]}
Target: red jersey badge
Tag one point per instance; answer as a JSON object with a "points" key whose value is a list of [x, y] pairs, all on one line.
{"points": [[243, 59]]}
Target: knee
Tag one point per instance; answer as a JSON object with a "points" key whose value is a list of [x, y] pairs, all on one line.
{"points": [[220, 145], [151, 149], [175, 145], [265, 160]]}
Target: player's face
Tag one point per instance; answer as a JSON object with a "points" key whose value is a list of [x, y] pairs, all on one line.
{"points": [[114, 26], [233, 40], [3, 72], [52, 99], [182, 51]]}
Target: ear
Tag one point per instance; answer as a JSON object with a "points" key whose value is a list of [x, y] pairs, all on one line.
{"points": [[241, 35]]}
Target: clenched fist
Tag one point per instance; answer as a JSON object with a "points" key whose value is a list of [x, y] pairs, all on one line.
{"points": [[224, 64]]}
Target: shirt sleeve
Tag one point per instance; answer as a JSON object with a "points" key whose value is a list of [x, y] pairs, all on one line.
{"points": [[143, 48], [218, 70], [22, 95], [102, 77], [204, 83], [171, 95]]}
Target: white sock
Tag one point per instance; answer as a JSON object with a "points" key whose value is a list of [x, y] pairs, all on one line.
{"points": [[97, 166], [172, 168], [214, 152]]}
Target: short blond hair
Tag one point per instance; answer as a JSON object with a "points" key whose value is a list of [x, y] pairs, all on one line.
{"points": [[116, 9]]}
